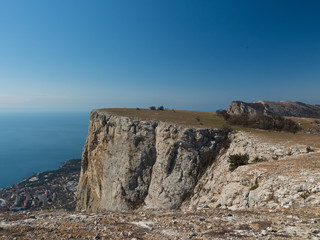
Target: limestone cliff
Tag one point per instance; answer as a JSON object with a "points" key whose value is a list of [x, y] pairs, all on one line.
{"points": [[284, 108], [129, 163], [289, 176]]}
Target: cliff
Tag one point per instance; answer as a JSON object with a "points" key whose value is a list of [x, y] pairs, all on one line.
{"points": [[134, 164], [130, 164], [287, 176], [284, 108]]}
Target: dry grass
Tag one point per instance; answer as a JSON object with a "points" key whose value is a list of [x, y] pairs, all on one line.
{"points": [[306, 123], [286, 138], [187, 118], [200, 119], [292, 165]]}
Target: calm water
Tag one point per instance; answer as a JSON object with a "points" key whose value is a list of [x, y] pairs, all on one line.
{"points": [[31, 142]]}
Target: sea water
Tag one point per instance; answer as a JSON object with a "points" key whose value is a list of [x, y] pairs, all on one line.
{"points": [[36, 141]]}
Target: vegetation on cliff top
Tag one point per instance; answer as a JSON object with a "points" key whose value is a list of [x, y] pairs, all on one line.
{"points": [[201, 119], [188, 118], [266, 122]]}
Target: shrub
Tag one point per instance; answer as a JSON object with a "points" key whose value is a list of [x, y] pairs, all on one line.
{"points": [[223, 114], [227, 128], [161, 108], [219, 205], [304, 195], [238, 160], [270, 122], [152, 108], [258, 159], [254, 187], [309, 149], [198, 118]]}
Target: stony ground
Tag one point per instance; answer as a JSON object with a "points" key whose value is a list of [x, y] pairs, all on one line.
{"points": [[303, 223]]}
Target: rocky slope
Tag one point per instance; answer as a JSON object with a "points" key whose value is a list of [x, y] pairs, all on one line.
{"points": [[130, 163], [288, 176], [202, 224], [284, 108]]}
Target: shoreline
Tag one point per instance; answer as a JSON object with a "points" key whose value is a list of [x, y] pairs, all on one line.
{"points": [[53, 189]]}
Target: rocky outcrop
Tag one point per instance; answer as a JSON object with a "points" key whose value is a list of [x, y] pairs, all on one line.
{"points": [[260, 224], [288, 177], [284, 108], [130, 164]]}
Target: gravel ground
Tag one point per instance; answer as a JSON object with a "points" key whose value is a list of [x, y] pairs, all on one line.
{"points": [[303, 223]]}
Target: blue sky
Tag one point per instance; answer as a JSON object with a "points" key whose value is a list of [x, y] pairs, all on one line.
{"points": [[182, 54]]}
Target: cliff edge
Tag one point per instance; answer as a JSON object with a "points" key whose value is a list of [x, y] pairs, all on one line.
{"points": [[284, 108], [129, 164]]}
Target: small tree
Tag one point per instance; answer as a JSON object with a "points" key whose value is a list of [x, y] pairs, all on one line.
{"points": [[309, 149], [152, 108], [223, 113], [238, 160]]}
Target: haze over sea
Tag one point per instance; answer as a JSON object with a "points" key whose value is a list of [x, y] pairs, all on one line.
{"points": [[34, 141]]}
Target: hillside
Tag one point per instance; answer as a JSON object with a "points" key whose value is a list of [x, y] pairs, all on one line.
{"points": [[284, 108]]}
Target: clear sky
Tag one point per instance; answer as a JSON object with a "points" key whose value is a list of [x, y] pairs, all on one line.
{"points": [[178, 53]]}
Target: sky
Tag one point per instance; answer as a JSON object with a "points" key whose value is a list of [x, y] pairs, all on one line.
{"points": [[182, 54]]}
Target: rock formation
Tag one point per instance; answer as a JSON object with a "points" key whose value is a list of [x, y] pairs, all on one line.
{"points": [[132, 164], [129, 163], [284, 108], [288, 177]]}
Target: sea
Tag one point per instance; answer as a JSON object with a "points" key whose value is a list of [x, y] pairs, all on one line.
{"points": [[35, 141]]}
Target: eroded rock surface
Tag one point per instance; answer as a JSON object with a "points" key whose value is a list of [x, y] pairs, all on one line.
{"points": [[289, 176], [202, 224], [284, 108], [129, 163]]}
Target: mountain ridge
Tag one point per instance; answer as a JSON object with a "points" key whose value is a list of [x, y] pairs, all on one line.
{"points": [[284, 108]]}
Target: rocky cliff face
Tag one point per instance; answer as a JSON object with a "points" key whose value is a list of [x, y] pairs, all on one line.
{"points": [[288, 177], [284, 108], [130, 164]]}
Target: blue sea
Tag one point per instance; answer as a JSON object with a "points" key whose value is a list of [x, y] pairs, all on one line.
{"points": [[31, 142]]}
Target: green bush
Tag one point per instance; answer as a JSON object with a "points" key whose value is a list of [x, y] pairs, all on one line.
{"points": [[269, 122], [238, 160], [304, 195], [223, 114], [254, 187], [309, 149]]}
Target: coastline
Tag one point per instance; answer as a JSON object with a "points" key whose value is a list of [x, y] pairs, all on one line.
{"points": [[44, 190]]}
